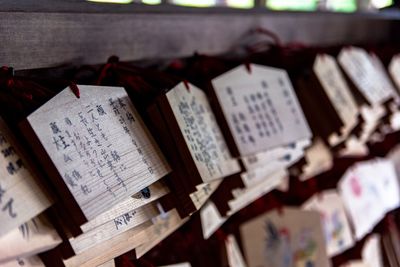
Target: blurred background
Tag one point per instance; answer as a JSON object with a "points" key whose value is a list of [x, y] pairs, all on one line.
{"points": [[292, 5]]}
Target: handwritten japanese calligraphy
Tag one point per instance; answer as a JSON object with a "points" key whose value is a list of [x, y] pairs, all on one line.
{"points": [[20, 197], [201, 133], [261, 108], [99, 145]]}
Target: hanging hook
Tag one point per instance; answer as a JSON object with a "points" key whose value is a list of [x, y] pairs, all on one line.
{"points": [[74, 88], [248, 66], [186, 83]]}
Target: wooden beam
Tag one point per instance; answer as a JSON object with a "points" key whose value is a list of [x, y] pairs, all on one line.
{"points": [[48, 39]]}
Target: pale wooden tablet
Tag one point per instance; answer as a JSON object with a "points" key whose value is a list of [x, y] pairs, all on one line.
{"points": [[260, 108], [99, 147], [21, 198]]}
